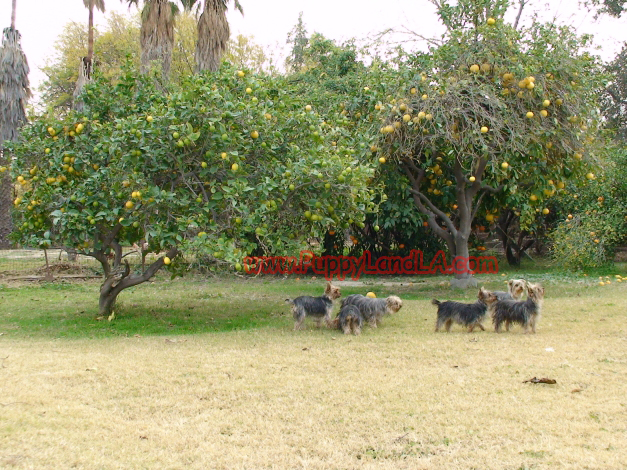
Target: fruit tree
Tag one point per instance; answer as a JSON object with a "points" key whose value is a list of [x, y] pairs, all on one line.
{"points": [[227, 164], [499, 118]]}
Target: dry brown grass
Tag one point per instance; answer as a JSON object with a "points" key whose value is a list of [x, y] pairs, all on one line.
{"points": [[397, 397]]}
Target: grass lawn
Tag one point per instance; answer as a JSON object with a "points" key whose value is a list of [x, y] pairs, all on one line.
{"points": [[209, 374]]}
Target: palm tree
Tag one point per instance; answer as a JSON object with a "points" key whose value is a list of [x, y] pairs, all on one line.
{"points": [[157, 33], [86, 65], [213, 34], [14, 93]]}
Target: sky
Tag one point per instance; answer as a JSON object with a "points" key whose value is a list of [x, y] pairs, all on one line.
{"points": [[41, 21]]}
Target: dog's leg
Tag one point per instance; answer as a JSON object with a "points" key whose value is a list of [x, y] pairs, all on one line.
{"points": [[497, 327], [481, 326], [471, 328], [533, 323], [507, 323], [448, 324]]}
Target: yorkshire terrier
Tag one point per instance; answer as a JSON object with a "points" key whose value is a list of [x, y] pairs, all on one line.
{"points": [[317, 307], [515, 290], [524, 312], [349, 320], [468, 315], [373, 309]]}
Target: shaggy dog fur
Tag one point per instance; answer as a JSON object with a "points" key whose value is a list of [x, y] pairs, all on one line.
{"points": [[317, 307], [468, 315], [515, 290], [373, 310], [349, 320], [523, 312]]}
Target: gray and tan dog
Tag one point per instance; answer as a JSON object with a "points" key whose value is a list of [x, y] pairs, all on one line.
{"points": [[373, 310], [317, 307], [515, 290], [349, 320], [524, 312]]}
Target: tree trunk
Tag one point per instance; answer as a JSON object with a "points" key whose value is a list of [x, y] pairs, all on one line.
{"points": [[157, 36], [13, 9], [213, 36], [90, 33], [107, 301]]}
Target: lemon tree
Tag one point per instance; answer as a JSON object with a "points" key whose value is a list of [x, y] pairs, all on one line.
{"points": [[498, 118], [226, 165]]}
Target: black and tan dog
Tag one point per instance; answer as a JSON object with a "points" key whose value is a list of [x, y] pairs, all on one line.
{"points": [[317, 307], [468, 315]]}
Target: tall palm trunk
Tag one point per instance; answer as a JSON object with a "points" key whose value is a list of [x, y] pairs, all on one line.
{"points": [[14, 93], [157, 35], [86, 66], [213, 36]]}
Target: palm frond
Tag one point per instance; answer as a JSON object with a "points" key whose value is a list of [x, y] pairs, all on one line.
{"points": [[99, 4]]}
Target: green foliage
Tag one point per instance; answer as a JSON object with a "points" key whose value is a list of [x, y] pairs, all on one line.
{"points": [[615, 96], [492, 118], [595, 220], [118, 42], [224, 165]]}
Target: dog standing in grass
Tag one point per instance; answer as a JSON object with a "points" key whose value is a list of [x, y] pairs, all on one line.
{"points": [[317, 307], [372, 309], [468, 315], [524, 312], [349, 320]]}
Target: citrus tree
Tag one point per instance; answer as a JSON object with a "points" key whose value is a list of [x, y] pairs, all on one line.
{"points": [[227, 164], [594, 219], [492, 118]]}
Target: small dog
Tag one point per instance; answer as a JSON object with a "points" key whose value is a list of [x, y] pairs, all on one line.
{"points": [[515, 290], [524, 312], [373, 310], [317, 307], [349, 320], [469, 315]]}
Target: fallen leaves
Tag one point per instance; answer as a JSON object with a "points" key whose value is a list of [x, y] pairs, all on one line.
{"points": [[536, 380]]}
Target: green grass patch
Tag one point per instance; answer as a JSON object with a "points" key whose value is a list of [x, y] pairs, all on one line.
{"points": [[193, 305]]}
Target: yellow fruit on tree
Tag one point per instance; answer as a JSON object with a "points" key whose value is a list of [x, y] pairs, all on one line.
{"points": [[308, 108], [545, 211], [234, 167], [529, 114], [546, 103], [533, 197], [504, 165], [491, 21], [382, 160], [590, 176], [166, 260], [544, 113], [484, 129], [129, 204], [254, 134], [472, 179]]}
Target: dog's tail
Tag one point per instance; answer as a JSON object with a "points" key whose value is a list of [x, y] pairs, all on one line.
{"points": [[436, 302]]}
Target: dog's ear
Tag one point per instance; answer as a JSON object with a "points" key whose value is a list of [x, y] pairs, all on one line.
{"points": [[510, 283]]}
